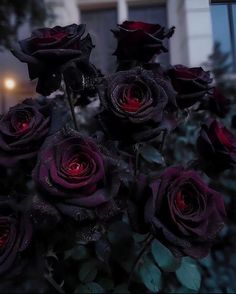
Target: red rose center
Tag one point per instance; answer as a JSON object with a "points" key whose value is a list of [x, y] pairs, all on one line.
{"points": [[22, 126], [181, 201], [21, 121], [59, 35], [4, 232], [130, 101], [76, 167], [138, 25], [49, 37]]}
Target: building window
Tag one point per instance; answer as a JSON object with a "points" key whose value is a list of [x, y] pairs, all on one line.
{"points": [[99, 23], [224, 28]]}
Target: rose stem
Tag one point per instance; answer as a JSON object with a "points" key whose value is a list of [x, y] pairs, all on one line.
{"points": [[136, 167], [53, 283], [72, 109], [150, 238], [163, 140]]}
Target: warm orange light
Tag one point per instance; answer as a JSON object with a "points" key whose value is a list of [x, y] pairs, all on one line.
{"points": [[9, 84]]}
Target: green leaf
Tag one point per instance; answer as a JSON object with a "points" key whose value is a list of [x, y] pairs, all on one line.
{"points": [[106, 283], [207, 261], [230, 184], [119, 232], [88, 271], [121, 237], [121, 289], [184, 290], [150, 275], [152, 155], [127, 263], [188, 274], [95, 288], [103, 250], [122, 243], [139, 237], [89, 288], [77, 253], [164, 258]]}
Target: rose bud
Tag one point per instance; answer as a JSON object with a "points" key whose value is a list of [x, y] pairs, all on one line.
{"points": [[137, 105], [80, 77], [49, 48], [15, 234], [216, 147], [192, 84], [72, 173], [22, 131], [184, 213], [216, 103], [140, 41]]}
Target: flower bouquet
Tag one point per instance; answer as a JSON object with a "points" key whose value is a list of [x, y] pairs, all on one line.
{"points": [[94, 195]]}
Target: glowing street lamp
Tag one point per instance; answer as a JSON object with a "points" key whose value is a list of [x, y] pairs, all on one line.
{"points": [[9, 84]]}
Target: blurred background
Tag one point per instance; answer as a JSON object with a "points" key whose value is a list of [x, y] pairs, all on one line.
{"points": [[199, 24]]}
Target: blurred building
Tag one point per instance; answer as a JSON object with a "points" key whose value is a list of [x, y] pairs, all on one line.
{"points": [[199, 23]]}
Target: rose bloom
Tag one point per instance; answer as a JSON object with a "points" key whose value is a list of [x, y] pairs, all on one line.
{"points": [[140, 41], [49, 48], [72, 173], [22, 131], [137, 104], [15, 234], [216, 146], [183, 212], [216, 103], [192, 84]]}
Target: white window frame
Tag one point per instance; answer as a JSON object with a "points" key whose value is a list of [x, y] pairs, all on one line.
{"points": [[231, 27]]}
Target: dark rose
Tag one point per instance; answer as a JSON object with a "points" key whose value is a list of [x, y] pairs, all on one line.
{"points": [[22, 131], [184, 213], [136, 104], [192, 84], [140, 41], [72, 173], [216, 147], [216, 103], [49, 48], [15, 234]]}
